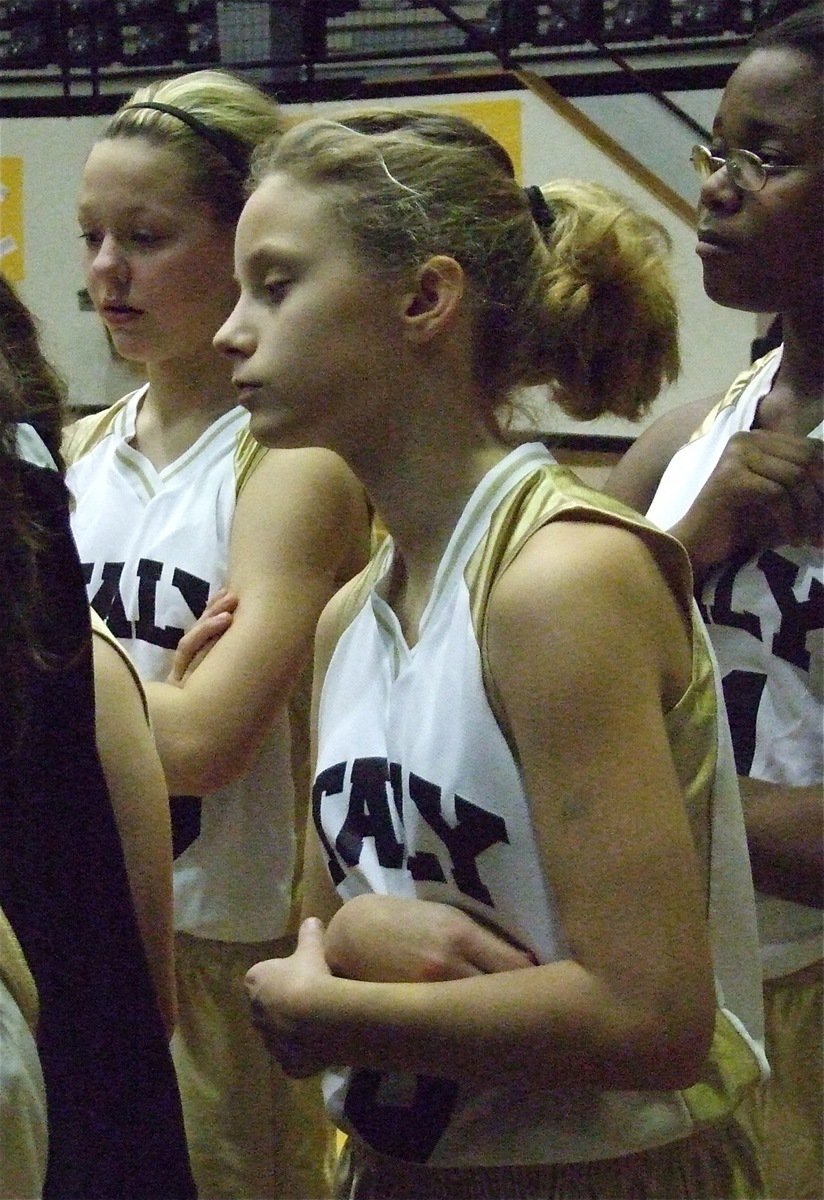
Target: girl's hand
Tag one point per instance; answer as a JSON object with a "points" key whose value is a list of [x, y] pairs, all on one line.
{"points": [[197, 642], [396, 939], [284, 995], [765, 491]]}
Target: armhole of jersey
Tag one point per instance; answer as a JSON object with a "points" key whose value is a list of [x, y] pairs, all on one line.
{"points": [[249, 453], [485, 569], [353, 595], [100, 630]]}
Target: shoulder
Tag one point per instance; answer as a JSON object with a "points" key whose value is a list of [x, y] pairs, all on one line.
{"points": [[557, 514], [576, 560], [580, 594], [311, 495], [85, 433], [312, 470], [345, 606], [115, 676], [636, 477]]}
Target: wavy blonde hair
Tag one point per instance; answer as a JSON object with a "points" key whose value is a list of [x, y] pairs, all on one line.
{"points": [[585, 306], [236, 111]]}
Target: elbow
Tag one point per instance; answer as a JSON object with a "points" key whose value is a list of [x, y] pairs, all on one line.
{"points": [[198, 767], [679, 1061], [213, 772], [218, 770], [662, 1049], [675, 1047]]}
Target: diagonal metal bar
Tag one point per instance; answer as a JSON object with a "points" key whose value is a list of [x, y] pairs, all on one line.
{"points": [[481, 39]]}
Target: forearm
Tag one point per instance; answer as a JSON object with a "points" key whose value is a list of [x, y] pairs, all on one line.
{"points": [[200, 752], [703, 544], [394, 939], [785, 834], [555, 1023]]}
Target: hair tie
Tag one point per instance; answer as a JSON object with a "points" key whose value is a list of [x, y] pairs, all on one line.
{"points": [[541, 212], [227, 145]]}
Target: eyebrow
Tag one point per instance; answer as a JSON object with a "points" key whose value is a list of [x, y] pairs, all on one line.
{"points": [[756, 128], [270, 255], [139, 212]]}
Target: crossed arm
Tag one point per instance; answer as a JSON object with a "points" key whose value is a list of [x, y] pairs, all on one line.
{"points": [[766, 490], [300, 529], [632, 1006]]}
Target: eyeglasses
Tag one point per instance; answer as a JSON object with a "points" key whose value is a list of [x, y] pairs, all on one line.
{"points": [[747, 171]]}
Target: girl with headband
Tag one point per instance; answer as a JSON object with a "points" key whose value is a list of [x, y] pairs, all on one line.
{"points": [[174, 501]]}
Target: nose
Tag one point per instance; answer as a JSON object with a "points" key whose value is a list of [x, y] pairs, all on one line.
{"points": [[108, 258], [719, 192], [234, 338]]}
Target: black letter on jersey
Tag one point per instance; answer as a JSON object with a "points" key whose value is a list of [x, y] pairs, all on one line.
{"points": [[408, 1131], [186, 813], [798, 617], [369, 815], [107, 601], [328, 783], [146, 627], [195, 591], [475, 832], [742, 696], [721, 611]]}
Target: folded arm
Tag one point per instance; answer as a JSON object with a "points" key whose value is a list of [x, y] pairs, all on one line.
{"points": [[632, 1004], [300, 529], [785, 833]]}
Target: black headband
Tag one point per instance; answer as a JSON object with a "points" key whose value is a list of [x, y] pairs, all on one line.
{"points": [[541, 212], [231, 149]]}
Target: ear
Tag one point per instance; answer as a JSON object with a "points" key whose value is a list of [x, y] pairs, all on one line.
{"points": [[436, 300]]}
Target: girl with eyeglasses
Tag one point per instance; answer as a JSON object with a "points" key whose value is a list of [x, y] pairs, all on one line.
{"points": [[739, 481], [507, 970]]}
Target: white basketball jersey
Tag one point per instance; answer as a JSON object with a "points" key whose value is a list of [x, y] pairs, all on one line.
{"points": [[765, 616], [417, 793], [154, 546]]}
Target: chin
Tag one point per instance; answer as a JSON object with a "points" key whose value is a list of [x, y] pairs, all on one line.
{"points": [[277, 434], [724, 291], [129, 351]]}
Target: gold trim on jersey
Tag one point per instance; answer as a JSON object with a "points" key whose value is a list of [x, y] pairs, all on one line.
{"points": [[15, 973], [733, 393], [248, 455], [84, 434], [101, 630]]}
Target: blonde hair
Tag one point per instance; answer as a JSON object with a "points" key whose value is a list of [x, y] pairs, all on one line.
{"points": [[585, 306], [237, 114]]}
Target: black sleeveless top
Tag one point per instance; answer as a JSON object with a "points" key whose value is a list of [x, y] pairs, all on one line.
{"points": [[115, 1122]]}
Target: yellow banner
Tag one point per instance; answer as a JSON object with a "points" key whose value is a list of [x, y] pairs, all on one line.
{"points": [[499, 118], [11, 218]]}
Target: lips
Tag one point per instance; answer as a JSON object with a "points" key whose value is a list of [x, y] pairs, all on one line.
{"points": [[245, 390], [119, 314], [714, 246], [709, 237]]}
